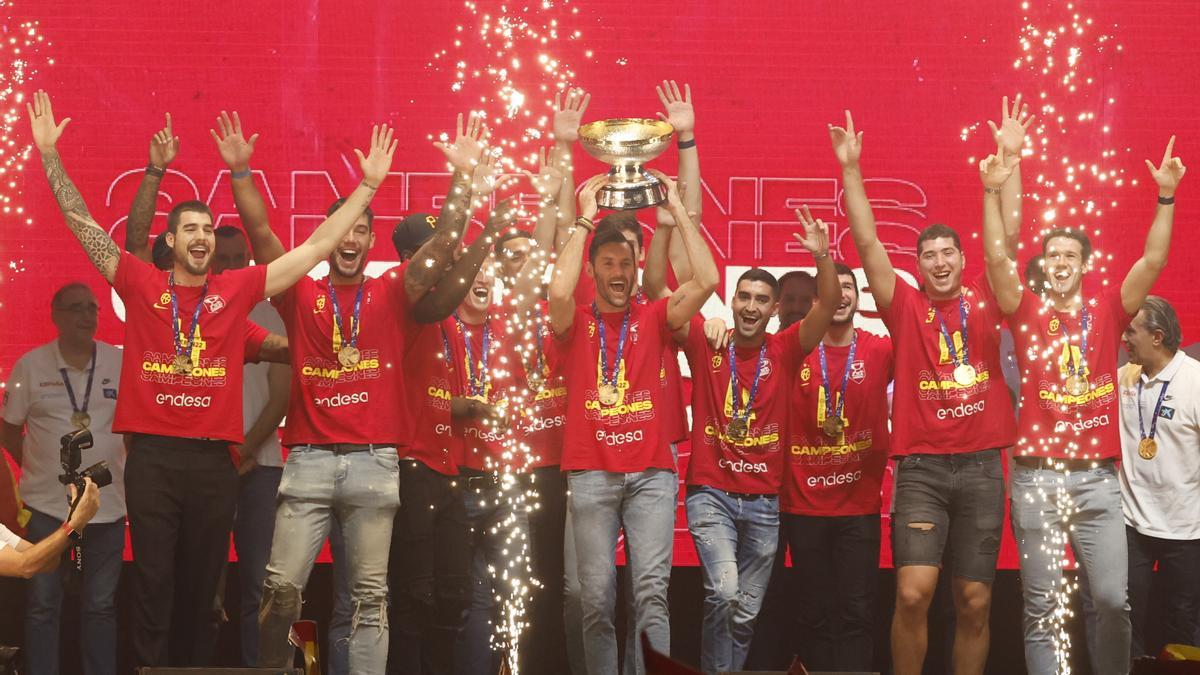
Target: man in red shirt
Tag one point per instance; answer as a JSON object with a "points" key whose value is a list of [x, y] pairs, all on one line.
{"points": [[953, 417], [184, 346], [622, 471], [1069, 431], [837, 453]]}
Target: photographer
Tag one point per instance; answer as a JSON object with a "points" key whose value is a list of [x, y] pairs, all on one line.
{"points": [[64, 386], [19, 558]]}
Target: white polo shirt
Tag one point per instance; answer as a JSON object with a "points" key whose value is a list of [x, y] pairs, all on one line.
{"points": [[256, 390], [37, 398], [1161, 496]]}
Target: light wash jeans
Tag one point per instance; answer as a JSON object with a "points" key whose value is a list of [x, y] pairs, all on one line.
{"points": [[1097, 535], [601, 505], [359, 490], [735, 539], [103, 544], [338, 662]]}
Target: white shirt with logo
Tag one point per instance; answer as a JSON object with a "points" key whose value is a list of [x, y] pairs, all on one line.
{"points": [[36, 398], [1161, 496], [256, 390]]}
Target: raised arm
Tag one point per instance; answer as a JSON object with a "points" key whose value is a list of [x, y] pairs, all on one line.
{"points": [[995, 172], [881, 276], [163, 148], [1010, 137], [1145, 271], [569, 265], [235, 150], [288, 268], [829, 291], [691, 295], [100, 248], [548, 183], [568, 113], [682, 117], [654, 276]]}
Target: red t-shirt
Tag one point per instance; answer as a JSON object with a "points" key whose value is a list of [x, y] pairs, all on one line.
{"points": [[630, 435], [932, 413], [256, 335], [755, 464], [827, 476], [430, 380], [330, 403], [483, 444], [1053, 422], [206, 403], [543, 429]]}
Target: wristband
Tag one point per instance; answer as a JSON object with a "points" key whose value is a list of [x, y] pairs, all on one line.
{"points": [[244, 173], [991, 190], [684, 145], [69, 531], [373, 187], [1166, 201], [155, 170], [586, 223]]}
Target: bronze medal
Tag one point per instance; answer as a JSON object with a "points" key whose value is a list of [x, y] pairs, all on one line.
{"points": [[964, 374], [80, 419], [536, 381], [182, 364], [349, 356], [608, 394], [737, 430], [1077, 385], [1147, 448], [832, 426]]}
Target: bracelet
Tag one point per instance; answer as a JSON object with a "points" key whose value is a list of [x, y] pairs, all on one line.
{"points": [[1166, 201], [684, 145], [586, 223], [821, 257], [69, 531], [155, 170], [991, 190], [244, 173]]}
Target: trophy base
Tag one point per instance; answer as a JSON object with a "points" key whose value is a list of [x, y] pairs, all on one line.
{"points": [[627, 195]]}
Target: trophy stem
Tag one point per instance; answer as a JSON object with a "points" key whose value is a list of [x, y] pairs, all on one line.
{"points": [[629, 188]]}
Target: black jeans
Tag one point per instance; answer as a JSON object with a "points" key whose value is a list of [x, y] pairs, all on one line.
{"points": [[835, 563], [181, 494], [429, 572], [1179, 573], [544, 648]]}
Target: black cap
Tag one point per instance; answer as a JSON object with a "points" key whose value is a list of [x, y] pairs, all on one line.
{"points": [[410, 233]]}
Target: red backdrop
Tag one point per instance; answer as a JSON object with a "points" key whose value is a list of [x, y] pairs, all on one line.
{"points": [[767, 76]]}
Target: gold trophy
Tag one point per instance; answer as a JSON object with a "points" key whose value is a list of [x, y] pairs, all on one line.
{"points": [[627, 144]]}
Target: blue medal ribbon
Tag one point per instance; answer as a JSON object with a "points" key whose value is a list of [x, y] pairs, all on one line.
{"points": [[87, 395], [476, 380], [735, 395], [610, 378], [962, 315], [1162, 394], [832, 410], [352, 339], [180, 349]]}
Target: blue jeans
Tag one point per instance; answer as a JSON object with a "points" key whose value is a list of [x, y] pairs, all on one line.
{"points": [[643, 504], [735, 539], [358, 489], [103, 544], [1097, 535], [572, 611], [338, 662], [253, 528]]}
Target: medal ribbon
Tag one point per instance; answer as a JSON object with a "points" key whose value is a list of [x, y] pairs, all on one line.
{"points": [[1082, 367], [1162, 393], [830, 411], [538, 356], [476, 380], [352, 340], [610, 378], [735, 395], [180, 350], [962, 315], [87, 395]]}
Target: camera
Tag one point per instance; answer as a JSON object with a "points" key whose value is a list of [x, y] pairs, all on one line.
{"points": [[71, 455]]}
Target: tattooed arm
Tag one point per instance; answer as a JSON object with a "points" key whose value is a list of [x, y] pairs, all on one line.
{"points": [[163, 148], [100, 248], [454, 285]]}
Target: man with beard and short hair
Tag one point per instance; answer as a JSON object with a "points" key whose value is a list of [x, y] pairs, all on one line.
{"points": [[797, 290], [185, 338], [952, 417], [622, 472], [1069, 438]]}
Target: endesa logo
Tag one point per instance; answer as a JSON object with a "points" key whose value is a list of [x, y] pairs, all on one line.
{"points": [[339, 400], [634, 436], [1082, 425], [543, 423], [834, 479], [742, 466], [183, 400], [960, 411]]}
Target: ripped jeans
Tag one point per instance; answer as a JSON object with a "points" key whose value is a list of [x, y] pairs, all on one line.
{"points": [[319, 485], [736, 537]]}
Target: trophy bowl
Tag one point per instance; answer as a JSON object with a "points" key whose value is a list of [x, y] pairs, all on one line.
{"points": [[626, 144]]}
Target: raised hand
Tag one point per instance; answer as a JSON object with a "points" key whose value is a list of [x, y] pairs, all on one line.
{"points": [[680, 113], [847, 145], [233, 145], [1014, 123], [996, 169], [568, 114], [503, 215], [674, 197], [485, 178], [550, 176], [1169, 172], [816, 233], [587, 195], [469, 142], [41, 119], [378, 161], [164, 146]]}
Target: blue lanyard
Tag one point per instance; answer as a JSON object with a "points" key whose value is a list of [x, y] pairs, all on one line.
{"points": [[1082, 367], [1162, 393], [610, 377], [87, 395], [180, 350], [352, 339], [735, 395], [962, 315], [476, 380], [830, 410]]}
